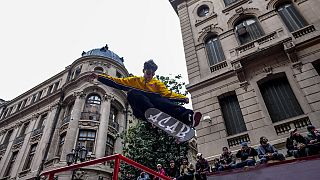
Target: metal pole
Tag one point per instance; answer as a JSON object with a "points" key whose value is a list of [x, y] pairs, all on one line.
{"points": [[116, 168]]}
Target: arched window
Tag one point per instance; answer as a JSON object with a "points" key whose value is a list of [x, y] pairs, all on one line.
{"points": [[214, 50], [280, 99], [291, 17], [94, 99], [98, 69], [92, 108], [203, 11], [248, 30]]}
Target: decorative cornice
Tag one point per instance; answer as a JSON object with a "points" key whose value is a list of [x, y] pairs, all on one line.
{"points": [[207, 30], [234, 5], [267, 15]]}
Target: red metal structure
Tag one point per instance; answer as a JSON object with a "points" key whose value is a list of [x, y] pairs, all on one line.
{"points": [[117, 158]]}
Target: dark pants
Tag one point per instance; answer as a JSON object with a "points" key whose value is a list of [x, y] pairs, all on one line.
{"points": [[185, 177], [248, 162], [141, 101], [201, 176]]}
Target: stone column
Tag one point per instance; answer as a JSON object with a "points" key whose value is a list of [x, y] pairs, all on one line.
{"points": [[118, 147], [103, 127], [42, 145], [56, 136], [71, 136]]}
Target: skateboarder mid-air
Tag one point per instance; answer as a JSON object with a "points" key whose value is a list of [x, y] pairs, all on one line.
{"points": [[147, 92]]}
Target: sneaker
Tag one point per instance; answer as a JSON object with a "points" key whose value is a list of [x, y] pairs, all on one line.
{"points": [[195, 119]]}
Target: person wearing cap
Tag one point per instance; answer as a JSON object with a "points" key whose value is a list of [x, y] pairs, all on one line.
{"points": [[173, 171], [160, 170], [247, 155], [313, 137], [148, 92], [186, 170], [202, 168], [297, 144], [268, 152]]}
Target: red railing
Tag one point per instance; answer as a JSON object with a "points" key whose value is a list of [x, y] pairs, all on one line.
{"points": [[117, 158]]}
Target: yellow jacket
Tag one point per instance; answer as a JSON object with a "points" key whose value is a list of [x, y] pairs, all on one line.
{"points": [[139, 83]]}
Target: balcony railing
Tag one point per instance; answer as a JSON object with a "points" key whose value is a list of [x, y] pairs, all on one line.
{"points": [[37, 131], [18, 140], [261, 43], [235, 141], [90, 116], [66, 119], [218, 66], [303, 31], [287, 126]]}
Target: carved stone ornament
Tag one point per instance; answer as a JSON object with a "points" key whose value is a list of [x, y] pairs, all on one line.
{"points": [[268, 70], [79, 94], [289, 48], [237, 66], [17, 146], [108, 97], [35, 139]]}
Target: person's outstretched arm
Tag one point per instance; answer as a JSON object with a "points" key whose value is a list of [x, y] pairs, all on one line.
{"points": [[125, 84], [165, 92]]}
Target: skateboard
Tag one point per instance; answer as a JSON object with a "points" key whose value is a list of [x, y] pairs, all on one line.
{"points": [[170, 125]]}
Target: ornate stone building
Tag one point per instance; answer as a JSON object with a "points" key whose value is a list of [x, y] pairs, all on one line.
{"points": [[253, 68], [40, 127]]}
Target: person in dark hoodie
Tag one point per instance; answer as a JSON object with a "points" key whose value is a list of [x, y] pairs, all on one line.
{"points": [[247, 155], [202, 168], [173, 171], [297, 144], [268, 152], [227, 160]]}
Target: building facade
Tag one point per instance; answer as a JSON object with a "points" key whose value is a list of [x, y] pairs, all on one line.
{"points": [[40, 127], [253, 68]]}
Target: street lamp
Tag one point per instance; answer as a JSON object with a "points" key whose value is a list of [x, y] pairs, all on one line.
{"points": [[80, 152]]}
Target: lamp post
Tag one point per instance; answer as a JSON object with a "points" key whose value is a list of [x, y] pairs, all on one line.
{"points": [[80, 152]]}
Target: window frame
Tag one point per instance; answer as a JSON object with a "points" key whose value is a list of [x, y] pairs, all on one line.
{"points": [[217, 48], [30, 157], [86, 139], [252, 37], [296, 12]]}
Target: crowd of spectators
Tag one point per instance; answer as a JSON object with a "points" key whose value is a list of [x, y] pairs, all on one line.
{"points": [[296, 144]]}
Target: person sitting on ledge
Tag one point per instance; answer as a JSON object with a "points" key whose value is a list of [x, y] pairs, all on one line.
{"points": [[297, 144], [227, 160], [247, 155], [268, 152]]}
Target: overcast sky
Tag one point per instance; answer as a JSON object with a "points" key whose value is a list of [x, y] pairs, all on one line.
{"points": [[39, 38]]}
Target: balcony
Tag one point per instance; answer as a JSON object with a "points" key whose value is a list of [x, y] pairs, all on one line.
{"points": [[218, 66], [285, 127], [303, 31], [273, 39], [37, 131], [90, 116], [18, 140], [235, 141]]}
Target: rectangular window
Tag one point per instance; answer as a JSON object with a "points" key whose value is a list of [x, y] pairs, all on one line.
{"points": [[232, 115], [110, 146], [24, 103], [316, 66], [32, 151], [49, 89], [56, 85], [10, 110], [8, 136], [23, 129], [42, 121], [34, 97], [61, 143], [19, 106], [11, 163], [291, 17], [39, 95], [86, 138], [280, 99]]}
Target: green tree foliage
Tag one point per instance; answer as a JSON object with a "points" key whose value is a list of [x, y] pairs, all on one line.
{"points": [[151, 146]]}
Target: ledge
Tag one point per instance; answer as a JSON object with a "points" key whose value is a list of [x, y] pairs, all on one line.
{"points": [[234, 5]]}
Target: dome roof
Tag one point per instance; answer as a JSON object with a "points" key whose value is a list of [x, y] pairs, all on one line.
{"points": [[104, 52]]}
